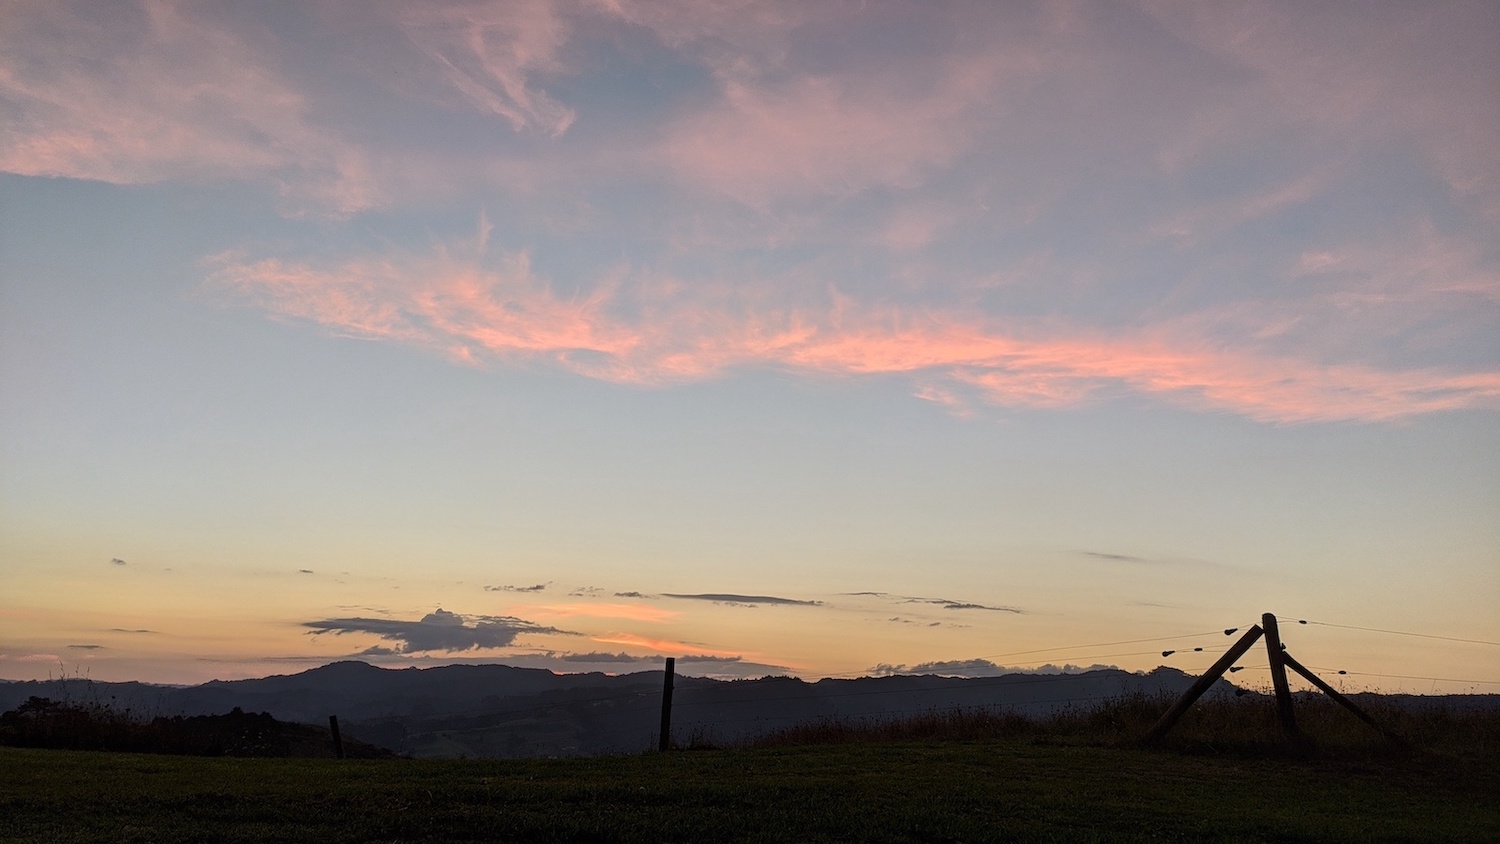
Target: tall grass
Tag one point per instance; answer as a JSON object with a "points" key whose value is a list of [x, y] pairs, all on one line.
{"points": [[1229, 725]]}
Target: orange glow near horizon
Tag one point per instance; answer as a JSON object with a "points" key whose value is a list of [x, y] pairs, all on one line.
{"points": [[630, 612], [668, 647]]}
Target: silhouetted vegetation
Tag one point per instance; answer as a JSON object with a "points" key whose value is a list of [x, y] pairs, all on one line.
{"points": [[1226, 773], [1245, 726], [61, 725]]}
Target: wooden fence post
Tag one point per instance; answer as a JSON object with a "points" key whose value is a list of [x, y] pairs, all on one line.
{"points": [[1203, 683], [665, 740], [1338, 698], [1278, 675], [338, 741]]}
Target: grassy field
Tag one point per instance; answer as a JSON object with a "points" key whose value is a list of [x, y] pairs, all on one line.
{"points": [[1003, 789]]}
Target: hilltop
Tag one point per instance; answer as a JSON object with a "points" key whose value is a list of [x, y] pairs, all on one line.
{"points": [[501, 711]]}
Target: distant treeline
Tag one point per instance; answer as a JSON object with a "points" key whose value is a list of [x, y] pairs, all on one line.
{"points": [[41, 722]]}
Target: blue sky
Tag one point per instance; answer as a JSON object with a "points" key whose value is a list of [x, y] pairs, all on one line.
{"points": [[932, 332]]}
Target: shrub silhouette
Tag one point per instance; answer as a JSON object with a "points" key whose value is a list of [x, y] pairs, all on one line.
{"points": [[40, 722]]}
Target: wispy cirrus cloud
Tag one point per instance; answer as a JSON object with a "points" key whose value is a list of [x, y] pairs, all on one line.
{"points": [[825, 136], [1401, 72], [135, 94], [489, 53]]}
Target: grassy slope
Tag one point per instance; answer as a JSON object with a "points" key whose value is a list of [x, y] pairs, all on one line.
{"points": [[951, 791]]}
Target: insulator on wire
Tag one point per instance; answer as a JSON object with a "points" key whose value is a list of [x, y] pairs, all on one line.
{"points": [[1236, 668], [1229, 631], [1197, 649], [1301, 621], [1167, 653]]}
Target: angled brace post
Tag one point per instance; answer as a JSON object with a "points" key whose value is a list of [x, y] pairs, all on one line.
{"points": [[1338, 698], [1203, 683]]}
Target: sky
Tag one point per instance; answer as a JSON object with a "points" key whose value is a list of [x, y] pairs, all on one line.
{"points": [[781, 338]]}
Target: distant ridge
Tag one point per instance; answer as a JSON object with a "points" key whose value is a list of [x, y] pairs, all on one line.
{"points": [[502, 711]]}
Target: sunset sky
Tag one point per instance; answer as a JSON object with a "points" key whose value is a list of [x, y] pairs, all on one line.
{"points": [[822, 339]]}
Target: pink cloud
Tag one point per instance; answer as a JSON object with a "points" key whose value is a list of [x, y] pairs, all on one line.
{"points": [[795, 122], [166, 92], [131, 96], [1399, 71], [660, 331], [813, 136]]}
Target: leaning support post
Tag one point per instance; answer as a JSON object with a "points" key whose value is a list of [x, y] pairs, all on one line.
{"points": [[1274, 655], [665, 740], [338, 741], [1338, 698], [1203, 683]]}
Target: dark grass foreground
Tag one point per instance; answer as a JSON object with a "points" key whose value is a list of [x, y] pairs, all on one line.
{"points": [[1226, 775], [986, 790]]}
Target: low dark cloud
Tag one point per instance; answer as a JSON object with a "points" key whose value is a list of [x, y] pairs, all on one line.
{"points": [[602, 657], [896, 619], [117, 561], [439, 630], [633, 595], [945, 603], [123, 630], [377, 650], [585, 592], [979, 668], [1176, 562], [539, 587], [959, 668], [87, 647], [304, 571], [1119, 558], [726, 598]]}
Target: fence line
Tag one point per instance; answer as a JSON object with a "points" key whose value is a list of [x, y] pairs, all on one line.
{"points": [[957, 684], [923, 710], [1399, 632]]}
